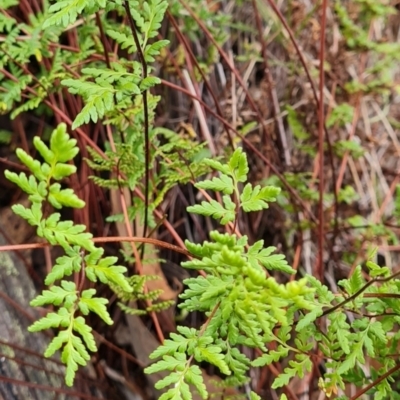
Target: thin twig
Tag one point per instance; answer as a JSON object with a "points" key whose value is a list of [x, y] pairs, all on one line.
{"points": [[321, 122], [146, 119]]}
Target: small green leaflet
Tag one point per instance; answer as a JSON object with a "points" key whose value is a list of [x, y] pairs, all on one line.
{"points": [[59, 198], [66, 294], [153, 49], [254, 396], [79, 325], [44, 151], [169, 363], [66, 12], [180, 380], [295, 368], [74, 353], [170, 347], [212, 354], [126, 42], [52, 320], [255, 199], [95, 304], [66, 234], [264, 257], [106, 272], [216, 210], [222, 184], [63, 147], [309, 318], [236, 361], [283, 378], [351, 359], [195, 377], [65, 265], [355, 283], [272, 356], [214, 164], [32, 215], [33, 165], [56, 343], [238, 165], [28, 185], [340, 329], [149, 82], [170, 379], [99, 98]]}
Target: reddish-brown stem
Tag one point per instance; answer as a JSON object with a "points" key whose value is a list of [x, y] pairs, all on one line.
{"points": [[14, 247], [321, 123], [376, 382]]}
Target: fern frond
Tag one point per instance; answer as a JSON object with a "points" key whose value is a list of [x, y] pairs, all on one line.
{"points": [[66, 12]]}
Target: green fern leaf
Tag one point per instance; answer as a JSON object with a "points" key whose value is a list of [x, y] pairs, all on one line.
{"points": [[13, 89], [215, 210], [107, 272], [33, 215], [212, 354], [283, 378], [29, 105], [255, 199], [349, 362], [194, 376], [355, 283], [255, 396], [63, 147], [197, 287], [324, 294], [214, 164], [59, 198], [309, 318], [238, 165], [168, 363], [33, 165], [79, 325], [154, 11], [376, 329], [264, 257], [66, 234], [6, 21], [74, 353], [66, 294], [272, 356], [95, 304], [222, 184], [149, 82], [62, 170], [178, 344], [57, 343], [198, 250], [65, 265], [44, 151], [28, 185], [66, 12], [99, 98], [170, 379], [153, 50], [237, 362], [126, 42], [52, 320], [180, 391]]}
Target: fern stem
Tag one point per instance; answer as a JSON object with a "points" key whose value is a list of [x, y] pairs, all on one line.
{"points": [[103, 39], [109, 239], [360, 291], [146, 120]]}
